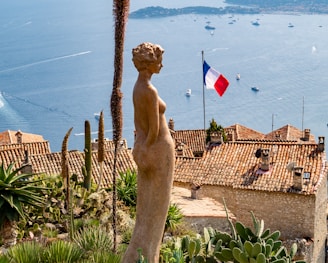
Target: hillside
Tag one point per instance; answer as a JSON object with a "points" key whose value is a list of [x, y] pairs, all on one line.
{"points": [[237, 7]]}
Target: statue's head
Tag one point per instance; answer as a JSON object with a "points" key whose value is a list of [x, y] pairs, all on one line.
{"points": [[146, 54]]}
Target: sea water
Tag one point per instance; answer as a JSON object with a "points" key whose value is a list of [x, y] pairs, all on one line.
{"points": [[56, 68]]}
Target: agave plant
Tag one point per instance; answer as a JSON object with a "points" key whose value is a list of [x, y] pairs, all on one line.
{"points": [[174, 218], [93, 239], [16, 190], [62, 251], [26, 252]]}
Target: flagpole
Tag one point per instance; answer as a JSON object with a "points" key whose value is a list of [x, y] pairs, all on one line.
{"points": [[203, 92]]}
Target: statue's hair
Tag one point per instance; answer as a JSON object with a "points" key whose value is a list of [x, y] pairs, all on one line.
{"points": [[146, 53]]}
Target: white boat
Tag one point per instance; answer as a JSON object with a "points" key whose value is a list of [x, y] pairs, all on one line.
{"points": [[188, 92], [97, 115], [255, 89], [238, 76], [255, 23]]}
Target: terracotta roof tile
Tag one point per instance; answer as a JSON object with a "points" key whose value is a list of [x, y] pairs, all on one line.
{"points": [[16, 152], [51, 164], [290, 133], [9, 137], [244, 133], [234, 164], [195, 139]]}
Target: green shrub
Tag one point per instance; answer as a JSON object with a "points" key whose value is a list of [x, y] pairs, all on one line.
{"points": [[174, 218], [26, 252], [4, 259], [127, 188], [105, 257], [63, 252], [93, 239]]}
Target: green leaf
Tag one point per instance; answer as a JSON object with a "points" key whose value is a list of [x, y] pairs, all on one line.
{"points": [[257, 249], [236, 251], [248, 247], [265, 234], [268, 250], [227, 254], [206, 236], [260, 258], [274, 235], [276, 245], [293, 250], [241, 231], [191, 248]]}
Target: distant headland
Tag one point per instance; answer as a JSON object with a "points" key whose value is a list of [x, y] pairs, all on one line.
{"points": [[237, 7]]}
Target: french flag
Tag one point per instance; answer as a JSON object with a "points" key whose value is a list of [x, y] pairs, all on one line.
{"points": [[214, 79]]}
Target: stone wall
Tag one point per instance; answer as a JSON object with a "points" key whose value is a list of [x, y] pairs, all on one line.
{"points": [[297, 216], [198, 223], [320, 223]]}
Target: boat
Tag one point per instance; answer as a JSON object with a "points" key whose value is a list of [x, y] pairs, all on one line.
{"points": [[208, 27], [290, 25], [188, 92], [255, 23], [238, 76], [255, 89], [97, 115]]}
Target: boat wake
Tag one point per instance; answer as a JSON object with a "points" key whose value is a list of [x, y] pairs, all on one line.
{"points": [[8, 115], [45, 61], [96, 132], [36, 104]]}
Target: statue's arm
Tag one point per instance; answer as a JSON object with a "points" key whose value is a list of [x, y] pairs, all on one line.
{"points": [[153, 118]]}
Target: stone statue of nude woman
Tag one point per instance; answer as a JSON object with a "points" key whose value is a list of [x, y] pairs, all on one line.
{"points": [[154, 155]]}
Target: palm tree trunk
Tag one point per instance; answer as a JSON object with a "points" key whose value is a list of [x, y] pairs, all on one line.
{"points": [[9, 233], [121, 12]]}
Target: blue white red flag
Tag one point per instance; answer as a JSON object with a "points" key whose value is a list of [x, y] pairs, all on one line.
{"points": [[214, 79]]}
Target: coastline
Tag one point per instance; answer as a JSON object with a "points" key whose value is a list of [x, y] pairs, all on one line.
{"points": [[158, 11]]}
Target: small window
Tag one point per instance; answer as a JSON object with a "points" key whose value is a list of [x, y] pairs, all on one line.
{"points": [[307, 175]]}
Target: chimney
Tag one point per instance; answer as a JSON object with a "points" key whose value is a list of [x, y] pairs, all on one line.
{"points": [[278, 135], [298, 178], [171, 124], [321, 144], [216, 137], [179, 149], [19, 136], [265, 159], [27, 166], [230, 135], [195, 191], [307, 134]]}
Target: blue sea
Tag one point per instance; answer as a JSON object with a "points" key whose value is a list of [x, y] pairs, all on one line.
{"points": [[56, 68]]}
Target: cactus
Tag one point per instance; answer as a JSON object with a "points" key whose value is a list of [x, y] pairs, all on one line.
{"points": [[64, 165], [245, 246], [87, 169], [101, 147]]}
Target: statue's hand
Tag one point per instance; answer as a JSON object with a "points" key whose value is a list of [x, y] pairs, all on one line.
{"points": [[144, 157]]}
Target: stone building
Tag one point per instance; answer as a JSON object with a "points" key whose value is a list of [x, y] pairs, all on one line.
{"points": [[281, 177]]}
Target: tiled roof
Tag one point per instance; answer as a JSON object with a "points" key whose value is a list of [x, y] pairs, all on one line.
{"points": [[16, 152], [9, 137], [51, 164], [290, 133], [195, 139], [234, 164], [243, 133]]}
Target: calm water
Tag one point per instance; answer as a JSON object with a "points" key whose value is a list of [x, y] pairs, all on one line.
{"points": [[56, 68]]}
